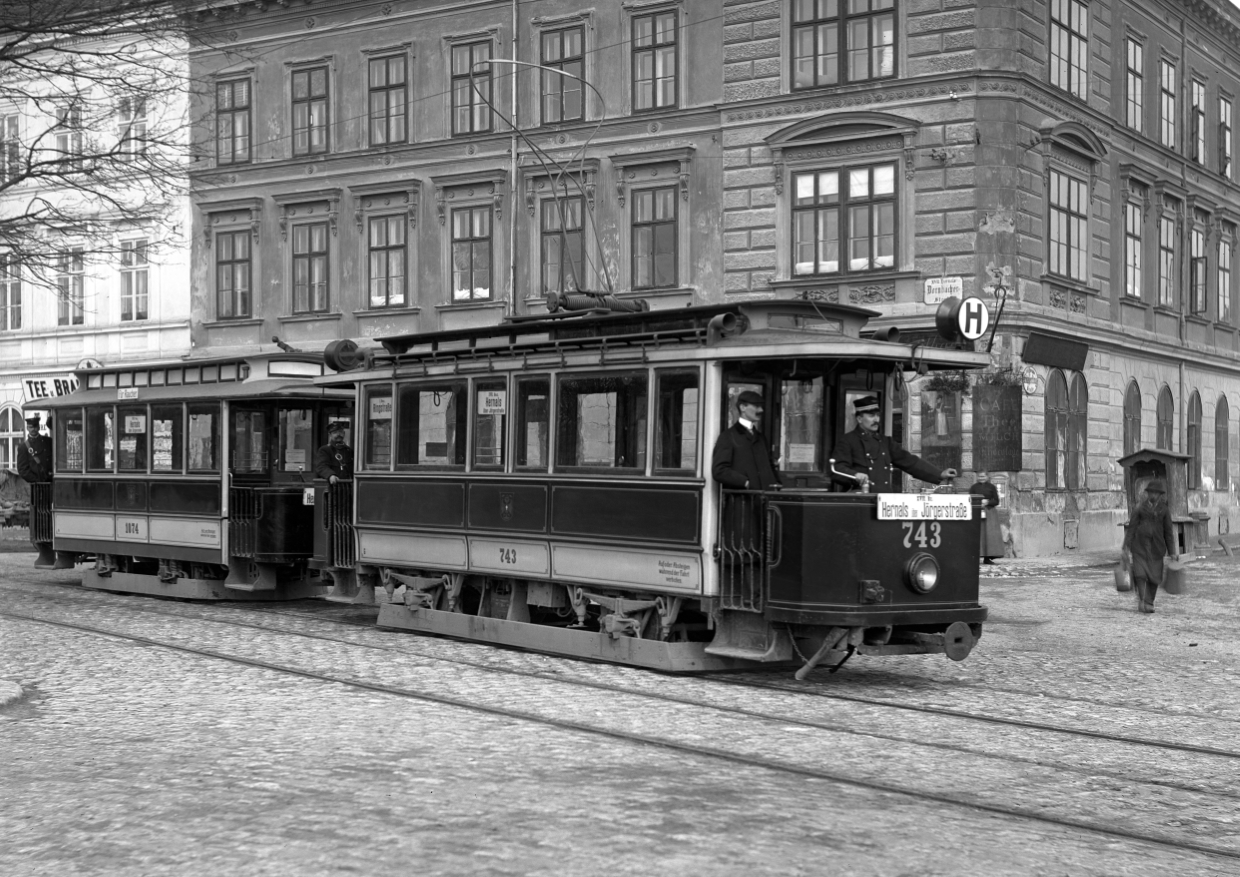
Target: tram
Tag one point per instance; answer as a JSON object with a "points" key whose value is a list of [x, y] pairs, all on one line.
{"points": [[546, 484], [193, 478]]}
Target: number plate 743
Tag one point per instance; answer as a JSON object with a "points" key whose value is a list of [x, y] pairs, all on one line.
{"points": [[926, 534]]}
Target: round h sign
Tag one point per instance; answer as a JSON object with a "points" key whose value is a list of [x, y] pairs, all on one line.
{"points": [[973, 318]]}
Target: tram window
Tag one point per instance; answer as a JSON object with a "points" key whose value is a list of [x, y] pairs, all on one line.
{"points": [[166, 438], [379, 427], [249, 442], [100, 439], [296, 440], [602, 422], [69, 441], [204, 438], [131, 449], [490, 421], [676, 441], [432, 424], [533, 422], [801, 409]]}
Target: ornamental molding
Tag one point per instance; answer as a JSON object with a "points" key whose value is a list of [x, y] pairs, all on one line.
{"points": [[861, 99], [1137, 183], [871, 294], [372, 197], [307, 203], [471, 185], [656, 163], [840, 136], [234, 212], [580, 179], [581, 16]]}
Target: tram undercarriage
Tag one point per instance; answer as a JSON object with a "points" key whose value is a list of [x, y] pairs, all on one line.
{"points": [[658, 631]]}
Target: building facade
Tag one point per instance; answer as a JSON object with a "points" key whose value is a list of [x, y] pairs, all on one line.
{"points": [[370, 169], [104, 277]]}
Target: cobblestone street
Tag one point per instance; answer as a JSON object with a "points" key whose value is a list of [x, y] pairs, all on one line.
{"points": [[141, 747]]}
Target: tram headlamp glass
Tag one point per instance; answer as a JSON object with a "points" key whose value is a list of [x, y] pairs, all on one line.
{"points": [[922, 573]]}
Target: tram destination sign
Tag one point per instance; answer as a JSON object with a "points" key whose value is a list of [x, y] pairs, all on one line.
{"points": [[924, 507]]}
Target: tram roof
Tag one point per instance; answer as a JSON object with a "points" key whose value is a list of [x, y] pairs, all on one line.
{"points": [[279, 374], [763, 328]]}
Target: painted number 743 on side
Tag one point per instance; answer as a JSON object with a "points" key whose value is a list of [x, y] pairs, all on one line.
{"points": [[926, 534]]}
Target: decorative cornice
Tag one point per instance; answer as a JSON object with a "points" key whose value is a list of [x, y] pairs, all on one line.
{"points": [[290, 202], [624, 165], [447, 186], [583, 175], [213, 210], [858, 99], [366, 197]]}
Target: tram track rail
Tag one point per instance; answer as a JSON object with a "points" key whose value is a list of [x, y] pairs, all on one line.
{"points": [[768, 685], [1117, 830]]}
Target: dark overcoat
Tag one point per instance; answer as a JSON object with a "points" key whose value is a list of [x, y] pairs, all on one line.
{"points": [[330, 460], [877, 455], [992, 536], [34, 459], [742, 457], [1149, 537]]}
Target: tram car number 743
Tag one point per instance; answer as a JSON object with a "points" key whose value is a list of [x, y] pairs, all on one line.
{"points": [[546, 484]]}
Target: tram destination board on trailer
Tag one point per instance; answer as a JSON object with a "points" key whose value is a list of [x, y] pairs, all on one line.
{"points": [[546, 484], [194, 478]]}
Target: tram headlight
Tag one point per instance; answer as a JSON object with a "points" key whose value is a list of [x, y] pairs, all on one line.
{"points": [[922, 573]]}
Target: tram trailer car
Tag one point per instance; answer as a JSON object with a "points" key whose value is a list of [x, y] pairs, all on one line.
{"points": [[546, 484], [193, 478]]}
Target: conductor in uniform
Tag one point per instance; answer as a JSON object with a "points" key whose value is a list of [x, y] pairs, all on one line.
{"points": [[34, 465], [334, 461], [870, 456]]}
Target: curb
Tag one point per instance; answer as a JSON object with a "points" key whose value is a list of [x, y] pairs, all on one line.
{"points": [[9, 692]]}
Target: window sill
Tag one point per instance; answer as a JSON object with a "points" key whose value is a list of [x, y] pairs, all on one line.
{"points": [[310, 318], [241, 321], [1224, 326], [818, 280], [386, 312], [1166, 310], [1068, 283], [1199, 319], [472, 305]]}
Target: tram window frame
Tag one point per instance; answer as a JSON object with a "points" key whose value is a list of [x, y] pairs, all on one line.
{"points": [[638, 431], [818, 466], [370, 460], [176, 446], [101, 457], [409, 425], [63, 445], [479, 418], [133, 423], [251, 471], [301, 465], [521, 445], [662, 375], [198, 409]]}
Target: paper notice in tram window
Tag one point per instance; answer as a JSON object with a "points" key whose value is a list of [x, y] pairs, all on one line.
{"points": [[135, 423], [924, 507], [801, 453], [380, 407], [295, 455]]}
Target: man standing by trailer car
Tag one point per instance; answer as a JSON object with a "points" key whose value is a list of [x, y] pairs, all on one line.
{"points": [[869, 456], [742, 458], [334, 461], [34, 465]]}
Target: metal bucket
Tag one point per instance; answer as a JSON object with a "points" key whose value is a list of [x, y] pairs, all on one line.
{"points": [[1123, 582], [1175, 576]]}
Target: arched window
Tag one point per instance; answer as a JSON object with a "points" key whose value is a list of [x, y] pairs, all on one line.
{"points": [[1221, 443], [11, 429], [1166, 419], [1132, 418], [1193, 441], [1078, 433], [1056, 428]]}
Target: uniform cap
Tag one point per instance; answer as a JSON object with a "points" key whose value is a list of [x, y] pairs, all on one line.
{"points": [[749, 397], [32, 418], [866, 403], [1156, 486], [338, 426]]}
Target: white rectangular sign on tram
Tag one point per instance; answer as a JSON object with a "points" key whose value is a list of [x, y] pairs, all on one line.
{"points": [[924, 507]]}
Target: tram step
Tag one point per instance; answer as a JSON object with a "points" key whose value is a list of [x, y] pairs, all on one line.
{"points": [[749, 637]]}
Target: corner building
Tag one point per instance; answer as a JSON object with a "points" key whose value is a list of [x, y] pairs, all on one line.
{"points": [[1071, 163]]}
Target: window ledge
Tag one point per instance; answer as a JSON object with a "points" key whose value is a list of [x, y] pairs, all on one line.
{"points": [[1166, 309], [1224, 325], [1199, 319], [473, 305], [387, 312], [309, 318], [1068, 283], [223, 324], [818, 280]]}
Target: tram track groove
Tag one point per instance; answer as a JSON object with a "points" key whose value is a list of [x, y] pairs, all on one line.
{"points": [[774, 687], [630, 736]]}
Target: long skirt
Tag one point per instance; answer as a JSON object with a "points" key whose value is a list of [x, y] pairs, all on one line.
{"points": [[992, 536]]}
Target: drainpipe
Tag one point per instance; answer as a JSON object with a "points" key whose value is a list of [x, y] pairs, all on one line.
{"points": [[512, 177], [1186, 256]]}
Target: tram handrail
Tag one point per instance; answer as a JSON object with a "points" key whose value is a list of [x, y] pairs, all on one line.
{"points": [[41, 529]]}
